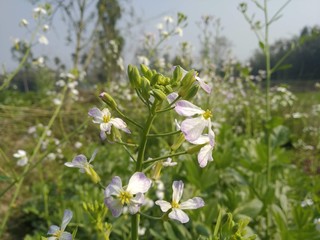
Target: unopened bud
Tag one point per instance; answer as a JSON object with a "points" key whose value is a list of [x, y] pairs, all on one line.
{"points": [[159, 94], [191, 92], [146, 71], [108, 99], [157, 170], [134, 76], [93, 175], [178, 142], [177, 74]]}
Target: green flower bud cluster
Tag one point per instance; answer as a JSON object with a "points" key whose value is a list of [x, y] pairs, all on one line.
{"points": [[149, 82]]}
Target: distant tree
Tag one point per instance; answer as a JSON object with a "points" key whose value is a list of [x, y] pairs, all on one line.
{"points": [[300, 54]]}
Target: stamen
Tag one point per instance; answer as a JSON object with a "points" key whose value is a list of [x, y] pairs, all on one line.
{"points": [[207, 114], [175, 204], [125, 197]]}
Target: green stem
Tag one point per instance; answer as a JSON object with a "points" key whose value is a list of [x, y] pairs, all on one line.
{"points": [[165, 157], [164, 134], [268, 112], [135, 219], [128, 119]]}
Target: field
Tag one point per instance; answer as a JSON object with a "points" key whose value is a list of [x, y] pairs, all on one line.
{"points": [[211, 153]]}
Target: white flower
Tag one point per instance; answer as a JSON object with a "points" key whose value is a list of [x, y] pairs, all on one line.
{"points": [[43, 40], [60, 83], [78, 145], [169, 163], [39, 11], [192, 128], [84, 166], [143, 60], [45, 28], [21, 155], [160, 26], [24, 22], [179, 31], [317, 223], [116, 196], [176, 208], [106, 121], [58, 233], [307, 202], [57, 101], [168, 19]]}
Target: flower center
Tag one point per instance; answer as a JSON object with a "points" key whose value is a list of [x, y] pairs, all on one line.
{"points": [[106, 118], [207, 114], [125, 197], [57, 234], [175, 204]]}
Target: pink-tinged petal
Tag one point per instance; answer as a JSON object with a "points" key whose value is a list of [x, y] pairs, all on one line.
{"points": [[106, 112], [138, 183], [103, 135], [179, 215], [106, 127], [93, 155], [211, 137], [164, 205], [79, 161], [52, 238], [114, 187], [201, 140], [120, 124], [65, 236], [67, 215], [172, 96], [114, 206], [187, 109], [53, 229], [204, 85], [95, 113], [193, 203], [177, 188], [135, 203], [205, 155], [192, 128]]}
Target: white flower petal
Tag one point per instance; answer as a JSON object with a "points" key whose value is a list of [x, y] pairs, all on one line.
{"points": [[193, 203], [114, 206], [106, 127], [177, 188], [22, 162], [79, 161], [114, 187], [120, 124], [179, 215], [53, 229], [93, 155], [187, 109], [135, 203], [66, 236], [201, 140], [95, 113], [138, 183], [164, 205], [192, 128], [205, 155], [172, 96], [204, 85], [67, 215]]}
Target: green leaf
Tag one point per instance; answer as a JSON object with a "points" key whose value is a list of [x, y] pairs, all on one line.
{"points": [[4, 178], [280, 136], [261, 45]]}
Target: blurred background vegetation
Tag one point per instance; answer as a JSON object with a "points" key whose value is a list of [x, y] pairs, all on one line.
{"points": [[43, 111]]}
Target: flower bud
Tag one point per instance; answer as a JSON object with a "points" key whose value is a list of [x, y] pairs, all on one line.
{"points": [[146, 71], [145, 88], [93, 175], [191, 92], [159, 94], [134, 76], [186, 83], [178, 142], [108, 99], [177, 74], [157, 170]]}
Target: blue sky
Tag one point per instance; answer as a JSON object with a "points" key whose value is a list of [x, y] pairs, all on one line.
{"points": [[297, 14]]}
